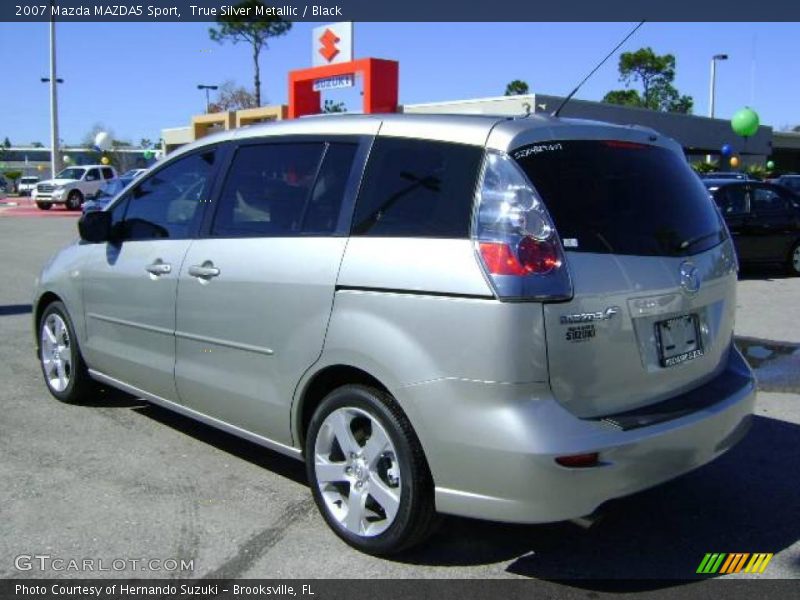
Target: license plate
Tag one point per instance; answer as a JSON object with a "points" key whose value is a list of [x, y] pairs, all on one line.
{"points": [[678, 340]]}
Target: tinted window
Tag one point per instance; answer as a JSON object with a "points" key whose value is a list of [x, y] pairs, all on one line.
{"points": [[322, 211], [415, 188], [733, 200], [267, 189], [108, 173], [767, 200], [165, 204], [93, 175], [793, 183], [622, 198]]}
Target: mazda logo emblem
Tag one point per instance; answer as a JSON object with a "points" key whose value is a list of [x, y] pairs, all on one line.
{"points": [[690, 277]]}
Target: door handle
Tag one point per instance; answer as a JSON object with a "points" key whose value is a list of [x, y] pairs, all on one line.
{"points": [[159, 268], [205, 271]]}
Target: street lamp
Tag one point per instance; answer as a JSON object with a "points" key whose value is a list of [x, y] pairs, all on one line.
{"points": [[207, 88], [712, 88], [713, 83], [55, 159]]}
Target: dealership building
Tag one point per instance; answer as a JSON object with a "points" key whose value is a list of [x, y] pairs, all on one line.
{"points": [[334, 66], [699, 136]]}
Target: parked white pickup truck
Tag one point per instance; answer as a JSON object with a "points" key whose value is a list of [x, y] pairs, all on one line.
{"points": [[72, 186]]}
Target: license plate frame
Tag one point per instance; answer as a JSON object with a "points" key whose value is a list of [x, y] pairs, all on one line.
{"points": [[678, 340]]}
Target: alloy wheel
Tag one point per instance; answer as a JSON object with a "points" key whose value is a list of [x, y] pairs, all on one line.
{"points": [[357, 471], [56, 352]]}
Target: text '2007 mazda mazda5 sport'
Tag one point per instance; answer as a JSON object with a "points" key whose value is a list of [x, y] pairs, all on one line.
{"points": [[510, 319]]}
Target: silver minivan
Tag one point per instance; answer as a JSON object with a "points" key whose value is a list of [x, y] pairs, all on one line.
{"points": [[514, 319]]}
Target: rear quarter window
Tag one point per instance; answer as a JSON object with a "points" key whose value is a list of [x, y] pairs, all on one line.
{"points": [[614, 197], [417, 188]]}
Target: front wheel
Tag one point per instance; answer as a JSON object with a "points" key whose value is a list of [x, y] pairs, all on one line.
{"points": [[74, 200], [367, 471], [794, 260], [63, 368]]}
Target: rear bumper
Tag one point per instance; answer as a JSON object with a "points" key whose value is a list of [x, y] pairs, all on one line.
{"points": [[493, 454]]}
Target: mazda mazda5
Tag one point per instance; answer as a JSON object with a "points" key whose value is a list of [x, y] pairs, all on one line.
{"points": [[515, 319]]}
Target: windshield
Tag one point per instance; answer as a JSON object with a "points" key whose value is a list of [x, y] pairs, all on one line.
{"points": [[71, 173], [29, 180], [614, 197]]}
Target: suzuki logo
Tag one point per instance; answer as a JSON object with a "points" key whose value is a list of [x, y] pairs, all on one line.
{"points": [[690, 277], [329, 41]]}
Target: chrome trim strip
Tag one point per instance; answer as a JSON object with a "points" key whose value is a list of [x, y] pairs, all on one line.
{"points": [[203, 418], [229, 344], [116, 321]]}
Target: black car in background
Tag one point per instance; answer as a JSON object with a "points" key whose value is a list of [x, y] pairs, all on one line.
{"points": [[763, 218], [790, 181]]}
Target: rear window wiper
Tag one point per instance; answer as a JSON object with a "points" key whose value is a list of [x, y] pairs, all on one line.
{"points": [[685, 244]]}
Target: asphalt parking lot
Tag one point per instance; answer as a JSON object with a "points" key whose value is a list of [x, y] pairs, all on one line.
{"points": [[123, 479]]}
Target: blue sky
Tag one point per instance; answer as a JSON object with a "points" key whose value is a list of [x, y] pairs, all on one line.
{"points": [[137, 78]]}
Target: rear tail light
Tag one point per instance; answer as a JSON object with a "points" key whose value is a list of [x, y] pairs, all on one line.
{"points": [[515, 237]]}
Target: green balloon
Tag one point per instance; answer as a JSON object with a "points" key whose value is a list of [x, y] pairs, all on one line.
{"points": [[745, 122], [770, 165], [148, 154]]}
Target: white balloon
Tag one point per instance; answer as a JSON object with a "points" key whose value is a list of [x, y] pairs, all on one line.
{"points": [[102, 140]]}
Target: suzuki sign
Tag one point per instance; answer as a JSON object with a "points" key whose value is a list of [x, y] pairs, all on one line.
{"points": [[332, 44]]}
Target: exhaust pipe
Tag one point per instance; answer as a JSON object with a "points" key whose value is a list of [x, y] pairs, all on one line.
{"points": [[588, 521]]}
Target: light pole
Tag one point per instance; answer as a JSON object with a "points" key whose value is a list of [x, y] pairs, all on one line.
{"points": [[712, 88], [55, 159], [713, 83], [207, 88]]}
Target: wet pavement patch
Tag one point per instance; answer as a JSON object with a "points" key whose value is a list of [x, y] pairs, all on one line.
{"points": [[776, 364]]}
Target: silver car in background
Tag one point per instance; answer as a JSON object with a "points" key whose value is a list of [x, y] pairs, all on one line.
{"points": [[508, 319]]}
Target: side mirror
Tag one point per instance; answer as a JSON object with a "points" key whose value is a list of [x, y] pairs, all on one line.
{"points": [[95, 226]]}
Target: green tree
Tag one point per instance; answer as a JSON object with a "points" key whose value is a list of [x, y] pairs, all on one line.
{"points": [[623, 97], [329, 106], [145, 143], [37, 145], [517, 88], [655, 75], [702, 166], [6, 143], [251, 29]]}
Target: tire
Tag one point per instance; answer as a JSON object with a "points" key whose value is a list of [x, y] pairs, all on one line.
{"points": [[44, 205], [384, 466], [74, 200], [793, 264], [63, 368]]}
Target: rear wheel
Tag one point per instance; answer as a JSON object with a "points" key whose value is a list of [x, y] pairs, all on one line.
{"points": [[63, 368], [44, 205], [74, 200], [794, 260], [367, 471]]}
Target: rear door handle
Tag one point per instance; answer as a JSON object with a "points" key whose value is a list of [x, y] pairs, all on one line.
{"points": [[205, 271], [159, 268]]}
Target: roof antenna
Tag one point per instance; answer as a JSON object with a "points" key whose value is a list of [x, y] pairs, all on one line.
{"points": [[585, 79]]}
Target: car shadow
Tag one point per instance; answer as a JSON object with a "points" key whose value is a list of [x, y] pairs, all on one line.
{"points": [[15, 309], [763, 272], [265, 458], [746, 501]]}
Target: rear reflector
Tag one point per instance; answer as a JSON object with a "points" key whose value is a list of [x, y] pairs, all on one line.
{"points": [[579, 461], [500, 259]]}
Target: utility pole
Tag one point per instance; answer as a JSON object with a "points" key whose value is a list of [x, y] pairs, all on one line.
{"points": [[55, 154]]}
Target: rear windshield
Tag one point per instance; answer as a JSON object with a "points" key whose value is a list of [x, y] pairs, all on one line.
{"points": [[616, 197]]}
